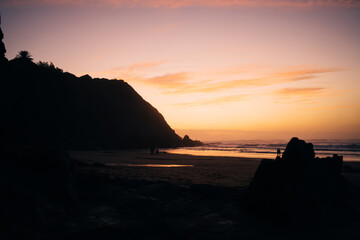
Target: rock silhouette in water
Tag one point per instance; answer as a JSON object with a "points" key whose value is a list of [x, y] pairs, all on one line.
{"points": [[186, 141], [299, 188]]}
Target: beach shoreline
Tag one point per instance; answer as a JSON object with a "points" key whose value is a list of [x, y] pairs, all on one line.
{"points": [[133, 194], [182, 169], [205, 201]]}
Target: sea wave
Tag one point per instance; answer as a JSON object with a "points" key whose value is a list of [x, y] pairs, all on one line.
{"points": [[350, 149]]}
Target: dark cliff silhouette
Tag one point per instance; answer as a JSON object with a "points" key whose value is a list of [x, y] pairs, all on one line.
{"points": [[2, 47], [299, 188], [42, 105]]}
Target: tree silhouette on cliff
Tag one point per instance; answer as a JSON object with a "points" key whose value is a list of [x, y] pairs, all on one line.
{"points": [[24, 55]]}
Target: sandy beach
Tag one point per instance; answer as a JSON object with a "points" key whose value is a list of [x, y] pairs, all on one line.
{"points": [[181, 169], [174, 168], [137, 195]]}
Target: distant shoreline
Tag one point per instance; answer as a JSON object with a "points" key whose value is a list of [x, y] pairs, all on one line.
{"points": [[266, 149]]}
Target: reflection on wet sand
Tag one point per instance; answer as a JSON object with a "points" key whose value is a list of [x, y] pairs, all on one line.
{"points": [[151, 165]]}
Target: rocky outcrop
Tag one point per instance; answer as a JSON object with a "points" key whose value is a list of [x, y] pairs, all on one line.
{"points": [[36, 184], [2, 48], [48, 172], [188, 142], [301, 188]]}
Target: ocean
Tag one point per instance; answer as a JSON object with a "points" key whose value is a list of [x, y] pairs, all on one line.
{"points": [[349, 149]]}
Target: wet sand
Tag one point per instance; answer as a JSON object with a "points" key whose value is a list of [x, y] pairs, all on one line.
{"points": [[182, 169], [174, 168]]}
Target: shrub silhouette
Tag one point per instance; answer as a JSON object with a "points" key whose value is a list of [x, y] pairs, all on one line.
{"points": [[48, 65]]}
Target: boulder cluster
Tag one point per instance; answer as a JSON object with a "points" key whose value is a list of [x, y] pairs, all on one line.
{"points": [[301, 188]]}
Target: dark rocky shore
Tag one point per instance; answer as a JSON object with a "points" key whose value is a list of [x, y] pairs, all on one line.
{"points": [[44, 198], [47, 195], [298, 188]]}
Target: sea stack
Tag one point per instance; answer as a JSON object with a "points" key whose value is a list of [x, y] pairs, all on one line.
{"points": [[2, 46]]}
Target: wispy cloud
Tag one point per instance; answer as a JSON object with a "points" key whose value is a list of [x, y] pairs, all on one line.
{"points": [[337, 107], [299, 91], [301, 95], [176, 80], [215, 101], [142, 65], [217, 80], [127, 71], [187, 3], [183, 83]]}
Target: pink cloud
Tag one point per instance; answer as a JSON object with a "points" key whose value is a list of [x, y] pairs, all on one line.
{"points": [[338, 107], [125, 71], [302, 95], [271, 79], [169, 80], [183, 82], [187, 3], [300, 91], [215, 101]]}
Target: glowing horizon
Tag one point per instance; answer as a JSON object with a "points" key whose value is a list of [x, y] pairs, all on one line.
{"points": [[226, 69]]}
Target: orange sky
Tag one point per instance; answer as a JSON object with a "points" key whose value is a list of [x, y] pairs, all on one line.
{"points": [[217, 70]]}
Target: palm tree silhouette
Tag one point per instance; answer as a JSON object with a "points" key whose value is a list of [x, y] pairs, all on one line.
{"points": [[25, 55]]}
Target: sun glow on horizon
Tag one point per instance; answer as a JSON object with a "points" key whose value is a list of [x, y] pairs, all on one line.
{"points": [[232, 68]]}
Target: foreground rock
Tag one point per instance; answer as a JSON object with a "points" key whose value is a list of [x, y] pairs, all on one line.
{"points": [[35, 183], [299, 188]]}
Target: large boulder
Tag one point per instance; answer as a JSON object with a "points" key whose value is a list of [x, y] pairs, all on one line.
{"points": [[299, 188]]}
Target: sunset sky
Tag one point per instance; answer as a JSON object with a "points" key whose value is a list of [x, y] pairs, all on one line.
{"points": [[216, 70]]}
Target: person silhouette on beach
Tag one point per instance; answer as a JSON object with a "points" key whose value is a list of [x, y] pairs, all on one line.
{"points": [[278, 153]]}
